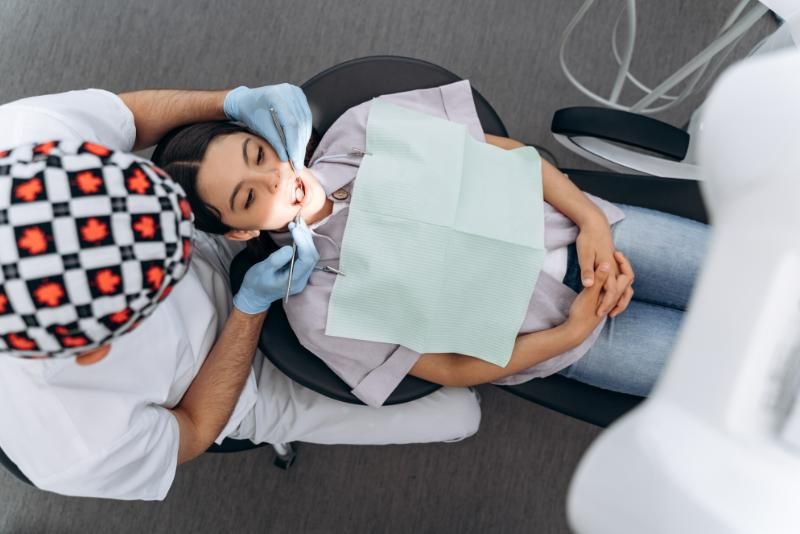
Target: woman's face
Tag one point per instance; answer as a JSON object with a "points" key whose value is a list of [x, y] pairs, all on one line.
{"points": [[242, 177]]}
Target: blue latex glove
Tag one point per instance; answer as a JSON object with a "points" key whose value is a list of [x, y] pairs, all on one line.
{"points": [[265, 282], [251, 107]]}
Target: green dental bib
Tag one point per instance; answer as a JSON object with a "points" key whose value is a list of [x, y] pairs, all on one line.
{"points": [[444, 239]]}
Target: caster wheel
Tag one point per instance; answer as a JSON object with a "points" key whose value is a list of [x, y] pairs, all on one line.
{"points": [[285, 462]]}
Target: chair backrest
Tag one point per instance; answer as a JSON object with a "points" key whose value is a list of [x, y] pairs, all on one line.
{"points": [[335, 90]]}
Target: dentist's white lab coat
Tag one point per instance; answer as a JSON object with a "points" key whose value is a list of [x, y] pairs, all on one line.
{"points": [[106, 430]]}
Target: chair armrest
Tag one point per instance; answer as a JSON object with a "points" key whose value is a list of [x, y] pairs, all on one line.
{"points": [[670, 195], [622, 127], [593, 405]]}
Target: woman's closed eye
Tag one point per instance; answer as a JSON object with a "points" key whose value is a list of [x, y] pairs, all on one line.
{"points": [[260, 156], [250, 197]]}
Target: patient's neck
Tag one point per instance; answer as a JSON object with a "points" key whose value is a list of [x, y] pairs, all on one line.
{"points": [[312, 216]]}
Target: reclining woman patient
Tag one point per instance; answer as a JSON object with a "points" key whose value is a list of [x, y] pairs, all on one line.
{"points": [[239, 187]]}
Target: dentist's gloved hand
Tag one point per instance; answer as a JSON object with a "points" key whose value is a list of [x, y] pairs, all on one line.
{"points": [[265, 282], [251, 106]]}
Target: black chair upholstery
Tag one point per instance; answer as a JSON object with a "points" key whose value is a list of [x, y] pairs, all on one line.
{"points": [[332, 92], [622, 127]]}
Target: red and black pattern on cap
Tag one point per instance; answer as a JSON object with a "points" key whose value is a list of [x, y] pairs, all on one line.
{"points": [[87, 182], [20, 341], [118, 319], [137, 182], [5, 304], [94, 231], [186, 209], [105, 281], [167, 290], [58, 205], [49, 292], [134, 325], [28, 189], [146, 226], [95, 149], [4, 153], [153, 275], [44, 149], [69, 335], [34, 239], [187, 251]]}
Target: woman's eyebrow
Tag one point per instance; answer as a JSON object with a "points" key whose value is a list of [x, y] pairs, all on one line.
{"points": [[246, 162], [244, 151], [235, 191]]}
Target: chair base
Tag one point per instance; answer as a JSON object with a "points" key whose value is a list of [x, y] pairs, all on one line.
{"points": [[285, 455]]}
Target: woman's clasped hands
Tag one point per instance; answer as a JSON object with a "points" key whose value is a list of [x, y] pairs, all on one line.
{"points": [[597, 254]]}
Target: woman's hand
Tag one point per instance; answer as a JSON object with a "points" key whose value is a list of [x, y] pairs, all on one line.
{"points": [[583, 313], [596, 249], [626, 274]]}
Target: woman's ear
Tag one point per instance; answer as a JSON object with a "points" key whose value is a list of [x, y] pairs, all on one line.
{"points": [[241, 235]]}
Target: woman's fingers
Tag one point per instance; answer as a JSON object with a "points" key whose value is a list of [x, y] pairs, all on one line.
{"points": [[625, 283], [586, 261], [601, 276], [616, 286], [622, 305], [624, 265], [610, 296]]}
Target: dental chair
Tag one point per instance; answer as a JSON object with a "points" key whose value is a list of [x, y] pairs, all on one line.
{"points": [[335, 90]]}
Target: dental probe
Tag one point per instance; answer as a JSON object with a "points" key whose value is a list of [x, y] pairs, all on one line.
{"points": [[296, 217]]}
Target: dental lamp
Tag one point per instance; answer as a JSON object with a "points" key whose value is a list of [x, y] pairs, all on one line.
{"points": [[716, 447]]}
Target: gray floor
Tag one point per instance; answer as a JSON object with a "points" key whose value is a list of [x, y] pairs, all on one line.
{"points": [[512, 476]]}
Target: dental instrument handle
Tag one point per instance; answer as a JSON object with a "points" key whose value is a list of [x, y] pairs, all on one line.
{"points": [[282, 135], [291, 272], [291, 262]]}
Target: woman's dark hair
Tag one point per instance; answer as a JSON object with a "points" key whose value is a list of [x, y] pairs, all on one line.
{"points": [[180, 152]]}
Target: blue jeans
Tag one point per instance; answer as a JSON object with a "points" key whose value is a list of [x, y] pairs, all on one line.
{"points": [[665, 252]]}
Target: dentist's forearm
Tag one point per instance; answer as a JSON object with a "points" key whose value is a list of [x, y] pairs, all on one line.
{"points": [[156, 112], [209, 402], [558, 190]]}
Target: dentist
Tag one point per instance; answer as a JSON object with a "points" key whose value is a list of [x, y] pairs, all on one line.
{"points": [[122, 353]]}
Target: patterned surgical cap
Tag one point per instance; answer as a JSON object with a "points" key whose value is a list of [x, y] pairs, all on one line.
{"points": [[91, 240]]}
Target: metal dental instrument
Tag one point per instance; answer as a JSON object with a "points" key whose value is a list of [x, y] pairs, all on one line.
{"points": [[296, 217], [329, 269], [283, 137], [291, 262]]}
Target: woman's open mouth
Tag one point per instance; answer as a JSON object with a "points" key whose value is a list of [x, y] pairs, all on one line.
{"points": [[300, 193]]}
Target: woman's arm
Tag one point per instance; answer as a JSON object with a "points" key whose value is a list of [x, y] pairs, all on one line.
{"points": [[449, 369], [558, 189]]}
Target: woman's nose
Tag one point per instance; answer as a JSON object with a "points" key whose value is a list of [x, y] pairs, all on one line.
{"points": [[274, 181]]}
